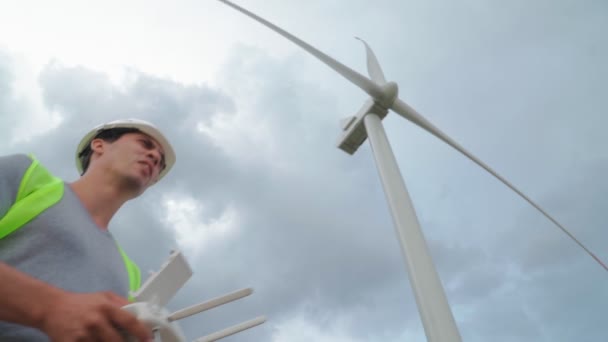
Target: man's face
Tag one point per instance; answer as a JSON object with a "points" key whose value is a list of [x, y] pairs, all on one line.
{"points": [[136, 158]]}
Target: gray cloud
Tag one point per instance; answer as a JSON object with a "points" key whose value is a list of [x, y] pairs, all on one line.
{"points": [[13, 107]]}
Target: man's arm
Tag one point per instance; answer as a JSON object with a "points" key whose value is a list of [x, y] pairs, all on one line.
{"points": [[62, 315]]}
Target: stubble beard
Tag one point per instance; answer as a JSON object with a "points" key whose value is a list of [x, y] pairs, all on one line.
{"points": [[132, 184]]}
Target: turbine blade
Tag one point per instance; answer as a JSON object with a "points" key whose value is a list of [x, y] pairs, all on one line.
{"points": [[373, 66], [359, 80], [409, 113], [194, 309], [232, 330]]}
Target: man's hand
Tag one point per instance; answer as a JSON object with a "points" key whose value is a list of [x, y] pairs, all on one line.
{"points": [[90, 317]]}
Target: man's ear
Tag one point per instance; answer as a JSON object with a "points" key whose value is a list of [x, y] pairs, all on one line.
{"points": [[97, 145]]}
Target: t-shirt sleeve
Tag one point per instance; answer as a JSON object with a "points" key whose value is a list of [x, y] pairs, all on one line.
{"points": [[12, 168]]}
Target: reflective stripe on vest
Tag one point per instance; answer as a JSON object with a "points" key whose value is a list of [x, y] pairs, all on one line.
{"points": [[39, 190]]}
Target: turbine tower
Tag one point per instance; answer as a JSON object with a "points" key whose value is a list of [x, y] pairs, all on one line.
{"points": [[435, 312]]}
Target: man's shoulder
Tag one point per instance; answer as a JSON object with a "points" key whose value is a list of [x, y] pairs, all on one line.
{"points": [[14, 164], [12, 169], [15, 156]]}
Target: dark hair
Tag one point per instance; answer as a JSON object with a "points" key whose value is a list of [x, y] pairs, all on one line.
{"points": [[108, 135]]}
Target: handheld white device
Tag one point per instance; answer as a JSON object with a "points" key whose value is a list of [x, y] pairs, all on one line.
{"points": [[158, 290]]}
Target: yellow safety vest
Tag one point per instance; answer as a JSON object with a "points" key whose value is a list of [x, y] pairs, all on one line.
{"points": [[39, 190]]}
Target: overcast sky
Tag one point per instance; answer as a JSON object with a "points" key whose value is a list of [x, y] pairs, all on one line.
{"points": [[260, 196]]}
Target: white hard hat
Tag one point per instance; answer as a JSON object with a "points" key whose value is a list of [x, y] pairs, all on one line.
{"points": [[141, 125]]}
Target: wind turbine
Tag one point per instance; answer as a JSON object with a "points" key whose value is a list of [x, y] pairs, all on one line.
{"points": [[436, 316], [158, 290]]}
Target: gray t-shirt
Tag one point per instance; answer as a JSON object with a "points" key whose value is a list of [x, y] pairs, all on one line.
{"points": [[62, 246]]}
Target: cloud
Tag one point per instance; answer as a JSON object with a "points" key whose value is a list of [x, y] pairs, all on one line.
{"points": [[301, 329], [186, 219], [22, 114], [8, 104]]}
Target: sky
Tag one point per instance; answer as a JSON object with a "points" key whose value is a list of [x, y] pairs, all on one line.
{"points": [[261, 196]]}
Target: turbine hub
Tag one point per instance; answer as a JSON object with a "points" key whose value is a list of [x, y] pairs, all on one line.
{"points": [[390, 90]]}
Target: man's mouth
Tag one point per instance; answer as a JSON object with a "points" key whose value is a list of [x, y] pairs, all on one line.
{"points": [[148, 168]]}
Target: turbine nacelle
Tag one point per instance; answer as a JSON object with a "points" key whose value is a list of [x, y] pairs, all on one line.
{"points": [[353, 129]]}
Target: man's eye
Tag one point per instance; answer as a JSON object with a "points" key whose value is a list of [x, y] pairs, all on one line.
{"points": [[147, 144]]}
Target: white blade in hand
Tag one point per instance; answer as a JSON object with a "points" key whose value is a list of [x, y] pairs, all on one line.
{"points": [[162, 285], [232, 330], [210, 304]]}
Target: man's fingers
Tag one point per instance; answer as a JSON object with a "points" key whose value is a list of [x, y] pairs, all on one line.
{"points": [[107, 332], [118, 300], [131, 324]]}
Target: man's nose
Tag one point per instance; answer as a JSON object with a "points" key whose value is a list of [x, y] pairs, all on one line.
{"points": [[154, 155]]}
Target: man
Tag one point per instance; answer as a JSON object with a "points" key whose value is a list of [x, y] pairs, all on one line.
{"points": [[62, 276]]}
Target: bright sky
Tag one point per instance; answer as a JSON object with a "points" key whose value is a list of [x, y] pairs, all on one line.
{"points": [[262, 197]]}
